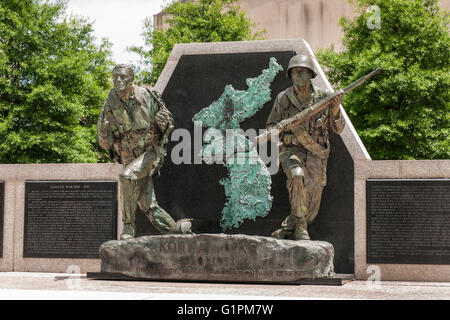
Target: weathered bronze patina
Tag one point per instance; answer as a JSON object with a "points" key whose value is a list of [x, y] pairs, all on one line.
{"points": [[134, 126], [248, 185], [305, 148]]}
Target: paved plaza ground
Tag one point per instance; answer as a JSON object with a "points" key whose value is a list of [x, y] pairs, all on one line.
{"points": [[51, 286]]}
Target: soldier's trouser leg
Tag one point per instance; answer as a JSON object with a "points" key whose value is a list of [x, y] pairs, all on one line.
{"points": [[298, 200], [316, 172], [131, 180], [142, 168], [295, 225], [159, 218], [129, 193]]}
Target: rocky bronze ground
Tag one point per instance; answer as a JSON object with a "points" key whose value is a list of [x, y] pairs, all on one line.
{"points": [[218, 257]]}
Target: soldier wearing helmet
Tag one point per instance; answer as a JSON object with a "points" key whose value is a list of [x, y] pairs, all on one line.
{"points": [[134, 126], [305, 149]]}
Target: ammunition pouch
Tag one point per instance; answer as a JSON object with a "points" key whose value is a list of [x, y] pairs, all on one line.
{"points": [[310, 144]]}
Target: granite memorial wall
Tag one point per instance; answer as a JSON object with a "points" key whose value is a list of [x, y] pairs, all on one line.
{"points": [[402, 220], [57, 215], [369, 208]]}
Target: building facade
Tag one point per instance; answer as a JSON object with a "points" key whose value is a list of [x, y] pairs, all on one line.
{"points": [[316, 21]]}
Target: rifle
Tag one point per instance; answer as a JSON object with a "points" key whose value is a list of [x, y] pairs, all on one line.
{"points": [[319, 106]]}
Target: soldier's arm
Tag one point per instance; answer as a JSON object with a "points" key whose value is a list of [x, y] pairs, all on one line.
{"points": [[162, 115], [164, 119], [337, 121], [275, 114], [104, 130]]}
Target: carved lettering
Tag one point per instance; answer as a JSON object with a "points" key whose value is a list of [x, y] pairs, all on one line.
{"points": [[408, 221], [172, 247], [242, 250], [225, 255], [68, 219], [163, 247]]}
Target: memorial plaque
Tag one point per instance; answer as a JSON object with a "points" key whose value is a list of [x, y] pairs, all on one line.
{"points": [[408, 221], [69, 219], [2, 210]]}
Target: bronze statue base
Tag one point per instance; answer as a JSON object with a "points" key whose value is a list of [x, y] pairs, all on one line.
{"points": [[218, 258]]}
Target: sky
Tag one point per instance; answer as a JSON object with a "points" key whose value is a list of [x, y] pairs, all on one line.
{"points": [[120, 21]]}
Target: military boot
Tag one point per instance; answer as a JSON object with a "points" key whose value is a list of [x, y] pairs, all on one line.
{"points": [[282, 234], [164, 223], [128, 232], [293, 228], [287, 229], [182, 226], [301, 232]]}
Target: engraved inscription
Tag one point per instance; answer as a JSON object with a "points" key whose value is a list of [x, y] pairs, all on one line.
{"points": [[408, 221], [69, 219], [224, 258]]}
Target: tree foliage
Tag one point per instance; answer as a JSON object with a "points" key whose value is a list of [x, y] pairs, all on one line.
{"points": [[403, 113], [53, 82], [192, 22]]}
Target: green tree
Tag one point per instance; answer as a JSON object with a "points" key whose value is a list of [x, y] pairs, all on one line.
{"points": [[404, 113], [53, 82], [191, 22]]}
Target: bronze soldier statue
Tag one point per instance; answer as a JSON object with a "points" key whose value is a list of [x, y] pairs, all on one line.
{"points": [[305, 149], [134, 126]]}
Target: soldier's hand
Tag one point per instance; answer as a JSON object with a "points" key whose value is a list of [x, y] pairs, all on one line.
{"points": [[162, 120], [335, 103], [161, 153]]}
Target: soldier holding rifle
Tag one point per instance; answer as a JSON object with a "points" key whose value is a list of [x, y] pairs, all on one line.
{"points": [[302, 116], [305, 148]]}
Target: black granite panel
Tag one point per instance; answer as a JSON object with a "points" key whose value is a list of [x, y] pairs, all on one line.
{"points": [[69, 219], [193, 190], [2, 212], [408, 221]]}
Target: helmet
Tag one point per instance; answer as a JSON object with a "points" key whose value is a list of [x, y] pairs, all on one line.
{"points": [[301, 60]]}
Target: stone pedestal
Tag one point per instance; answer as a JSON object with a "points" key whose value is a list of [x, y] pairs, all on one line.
{"points": [[218, 257]]}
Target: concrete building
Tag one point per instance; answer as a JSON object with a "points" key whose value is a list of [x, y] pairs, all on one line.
{"points": [[316, 21]]}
